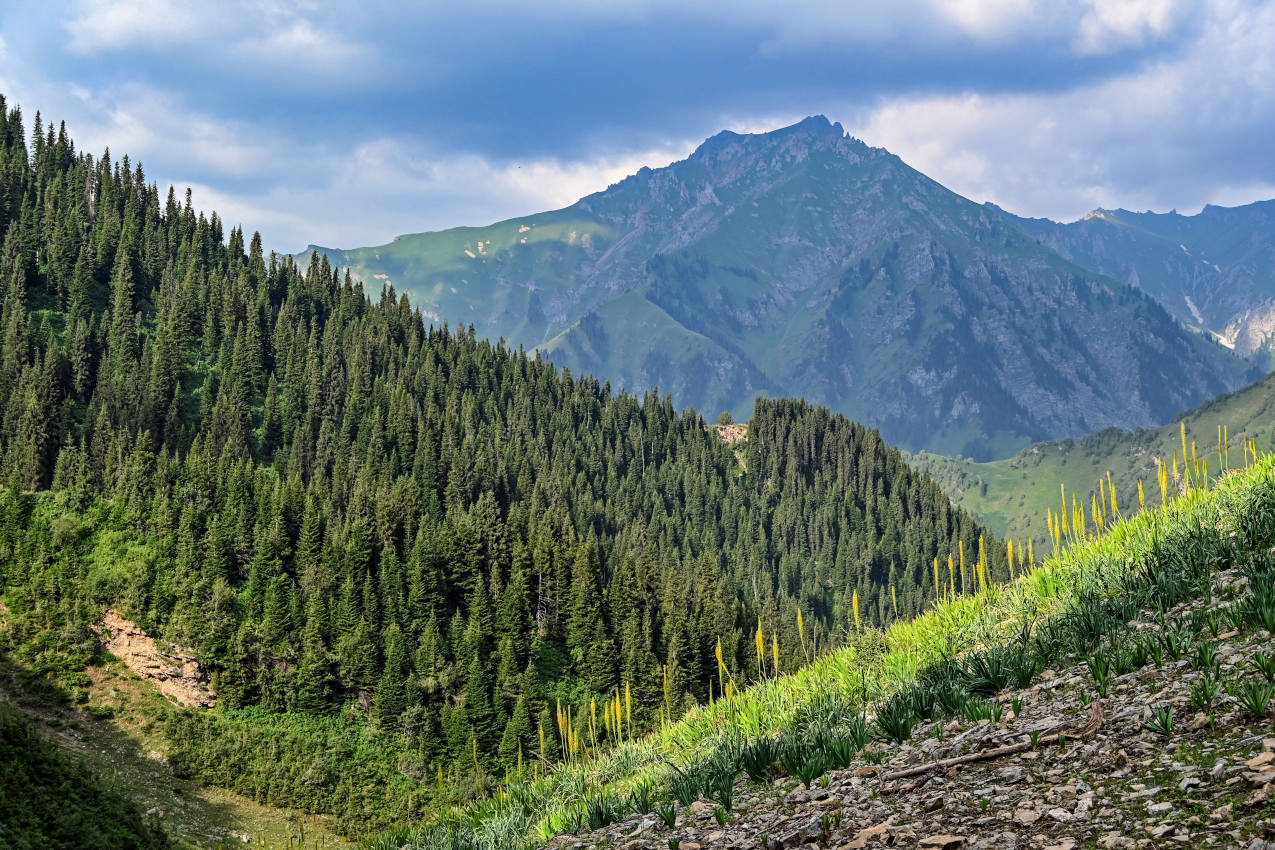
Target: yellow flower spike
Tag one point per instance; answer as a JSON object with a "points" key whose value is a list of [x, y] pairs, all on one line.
{"points": [[1182, 426], [760, 639], [774, 649], [894, 599], [801, 633], [854, 601], [1142, 499], [937, 593], [982, 565]]}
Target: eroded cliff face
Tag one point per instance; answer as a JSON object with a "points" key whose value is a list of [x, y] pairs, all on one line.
{"points": [[1253, 332], [176, 673]]}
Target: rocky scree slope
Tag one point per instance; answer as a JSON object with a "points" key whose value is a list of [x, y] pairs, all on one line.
{"points": [[1114, 778], [804, 262]]}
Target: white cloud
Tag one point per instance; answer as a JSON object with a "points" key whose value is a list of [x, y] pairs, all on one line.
{"points": [[271, 33], [398, 188], [152, 125], [1112, 24], [984, 19], [3, 47], [1178, 133], [118, 24]]}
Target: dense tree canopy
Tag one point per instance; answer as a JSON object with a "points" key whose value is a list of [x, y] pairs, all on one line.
{"points": [[335, 504]]}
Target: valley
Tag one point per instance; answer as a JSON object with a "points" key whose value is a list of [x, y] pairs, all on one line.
{"points": [[1012, 495]]}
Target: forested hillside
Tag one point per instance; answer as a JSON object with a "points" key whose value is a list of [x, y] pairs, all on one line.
{"points": [[340, 509]]}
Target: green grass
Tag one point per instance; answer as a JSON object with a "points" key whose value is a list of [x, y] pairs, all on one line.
{"points": [[1010, 496], [119, 738], [48, 800], [876, 665]]}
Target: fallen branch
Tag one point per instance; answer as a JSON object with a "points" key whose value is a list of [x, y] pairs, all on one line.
{"points": [[1095, 721]]}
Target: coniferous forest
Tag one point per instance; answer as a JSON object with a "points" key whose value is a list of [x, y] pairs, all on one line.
{"points": [[358, 521]]}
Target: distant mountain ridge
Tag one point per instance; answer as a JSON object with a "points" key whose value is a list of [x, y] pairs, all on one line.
{"points": [[1214, 269], [804, 262]]}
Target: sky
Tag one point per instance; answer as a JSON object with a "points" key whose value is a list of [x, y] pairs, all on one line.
{"points": [[347, 124]]}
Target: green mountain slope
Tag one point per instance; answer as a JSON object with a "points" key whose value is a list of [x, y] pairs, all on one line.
{"points": [[401, 553], [1215, 269], [803, 262], [49, 801], [1011, 495]]}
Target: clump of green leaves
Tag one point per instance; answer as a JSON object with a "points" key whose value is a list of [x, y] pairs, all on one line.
{"points": [[1255, 696], [1264, 664], [1160, 721], [894, 722]]}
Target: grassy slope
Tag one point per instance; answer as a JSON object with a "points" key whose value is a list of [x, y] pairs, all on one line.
{"points": [[878, 663], [459, 275], [118, 735], [50, 801], [1010, 496]]}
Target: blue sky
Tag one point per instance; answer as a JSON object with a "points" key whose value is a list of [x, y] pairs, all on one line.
{"points": [[346, 124]]}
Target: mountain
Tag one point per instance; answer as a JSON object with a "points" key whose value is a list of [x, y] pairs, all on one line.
{"points": [[395, 551], [803, 262], [1215, 269], [1011, 495]]}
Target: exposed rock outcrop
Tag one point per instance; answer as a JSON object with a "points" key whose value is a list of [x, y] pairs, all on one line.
{"points": [[176, 673]]}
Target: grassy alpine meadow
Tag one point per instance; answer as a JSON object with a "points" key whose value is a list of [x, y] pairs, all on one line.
{"points": [[875, 687], [1012, 496]]}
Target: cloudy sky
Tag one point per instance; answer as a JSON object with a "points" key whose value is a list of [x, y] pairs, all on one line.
{"points": [[346, 124]]}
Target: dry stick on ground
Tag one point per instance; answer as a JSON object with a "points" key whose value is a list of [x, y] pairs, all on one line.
{"points": [[1095, 721]]}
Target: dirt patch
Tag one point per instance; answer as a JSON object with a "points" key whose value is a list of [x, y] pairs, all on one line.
{"points": [[732, 434], [175, 674]]}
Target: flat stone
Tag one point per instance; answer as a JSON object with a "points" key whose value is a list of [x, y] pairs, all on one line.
{"points": [[861, 839], [943, 842], [1026, 817], [1260, 760]]}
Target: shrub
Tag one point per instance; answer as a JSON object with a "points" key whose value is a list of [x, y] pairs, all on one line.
{"points": [[894, 721]]}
